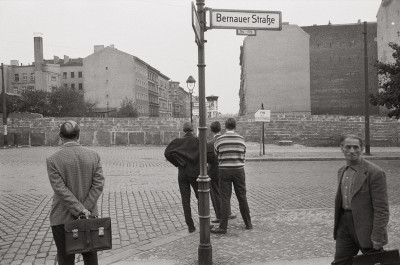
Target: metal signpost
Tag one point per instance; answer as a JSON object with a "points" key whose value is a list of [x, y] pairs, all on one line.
{"points": [[262, 115], [222, 19]]}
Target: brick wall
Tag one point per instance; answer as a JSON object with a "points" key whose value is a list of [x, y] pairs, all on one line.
{"points": [[337, 68], [308, 130]]}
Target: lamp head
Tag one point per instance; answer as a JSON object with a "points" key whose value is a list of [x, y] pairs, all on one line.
{"points": [[190, 82]]}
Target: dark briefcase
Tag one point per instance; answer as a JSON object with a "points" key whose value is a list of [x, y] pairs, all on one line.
{"points": [[84, 235], [386, 257]]}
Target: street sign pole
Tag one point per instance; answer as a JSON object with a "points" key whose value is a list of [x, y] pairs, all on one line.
{"points": [[205, 249]]}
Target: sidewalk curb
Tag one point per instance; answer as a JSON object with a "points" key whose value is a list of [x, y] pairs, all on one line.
{"points": [[277, 159]]}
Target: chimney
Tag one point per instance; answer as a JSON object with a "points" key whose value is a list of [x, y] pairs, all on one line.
{"points": [[14, 62], [66, 59], [38, 47], [98, 48], [56, 59]]}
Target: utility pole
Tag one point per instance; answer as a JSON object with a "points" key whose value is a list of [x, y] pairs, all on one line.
{"points": [[3, 89], [367, 136]]}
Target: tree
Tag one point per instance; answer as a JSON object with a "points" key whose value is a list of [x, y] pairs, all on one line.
{"points": [[389, 84], [128, 109], [12, 103], [34, 101]]}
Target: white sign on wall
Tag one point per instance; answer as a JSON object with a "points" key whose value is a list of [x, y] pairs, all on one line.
{"points": [[262, 115]]}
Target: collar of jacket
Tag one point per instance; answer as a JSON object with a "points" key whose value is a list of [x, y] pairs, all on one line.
{"points": [[69, 144]]}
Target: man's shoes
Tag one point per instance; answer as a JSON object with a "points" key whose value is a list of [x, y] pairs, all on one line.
{"points": [[217, 230], [249, 227], [215, 221], [232, 216], [192, 229]]}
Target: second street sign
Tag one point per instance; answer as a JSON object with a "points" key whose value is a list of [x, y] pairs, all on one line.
{"points": [[245, 19]]}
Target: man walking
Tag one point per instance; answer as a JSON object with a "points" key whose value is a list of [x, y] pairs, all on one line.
{"points": [[212, 172], [184, 154], [361, 204], [230, 148], [76, 176]]}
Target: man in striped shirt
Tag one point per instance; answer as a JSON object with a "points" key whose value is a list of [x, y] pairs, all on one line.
{"points": [[230, 148]]}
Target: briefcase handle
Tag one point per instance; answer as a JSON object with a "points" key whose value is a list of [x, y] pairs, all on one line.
{"points": [[82, 216]]}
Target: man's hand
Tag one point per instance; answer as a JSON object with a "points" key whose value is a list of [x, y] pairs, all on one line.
{"points": [[86, 212], [377, 245]]}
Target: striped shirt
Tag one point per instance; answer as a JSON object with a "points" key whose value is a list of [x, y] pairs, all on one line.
{"points": [[230, 148]]}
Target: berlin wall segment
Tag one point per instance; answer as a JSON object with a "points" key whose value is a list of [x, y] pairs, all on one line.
{"points": [[308, 130]]}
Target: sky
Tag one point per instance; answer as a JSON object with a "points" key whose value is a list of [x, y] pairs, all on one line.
{"points": [[157, 31]]}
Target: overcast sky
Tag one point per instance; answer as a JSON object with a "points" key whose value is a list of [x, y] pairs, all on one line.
{"points": [[157, 31]]}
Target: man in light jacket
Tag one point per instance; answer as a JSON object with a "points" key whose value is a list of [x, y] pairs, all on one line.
{"points": [[76, 176]]}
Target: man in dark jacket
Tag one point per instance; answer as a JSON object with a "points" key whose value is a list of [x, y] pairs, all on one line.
{"points": [[184, 154], [361, 204]]}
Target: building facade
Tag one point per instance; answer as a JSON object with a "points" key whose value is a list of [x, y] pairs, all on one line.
{"points": [[317, 69], [275, 71], [337, 68], [388, 19]]}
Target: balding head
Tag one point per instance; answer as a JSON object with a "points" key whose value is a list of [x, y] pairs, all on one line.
{"points": [[69, 130]]}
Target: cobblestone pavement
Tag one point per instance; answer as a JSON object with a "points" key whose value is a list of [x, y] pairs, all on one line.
{"points": [[290, 204]]}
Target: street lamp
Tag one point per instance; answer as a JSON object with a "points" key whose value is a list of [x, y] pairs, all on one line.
{"points": [[191, 82]]}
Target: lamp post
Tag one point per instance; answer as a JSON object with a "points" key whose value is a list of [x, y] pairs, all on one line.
{"points": [[191, 82], [205, 248]]}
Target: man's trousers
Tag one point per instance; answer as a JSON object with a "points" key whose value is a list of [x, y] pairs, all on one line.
{"points": [[237, 178], [347, 244], [184, 187]]}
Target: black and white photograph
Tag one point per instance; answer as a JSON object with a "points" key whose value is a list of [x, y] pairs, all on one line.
{"points": [[199, 132]]}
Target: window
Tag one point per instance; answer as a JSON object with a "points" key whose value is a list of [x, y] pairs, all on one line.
{"points": [[80, 74], [80, 86], [73, 86], [16, 77], [32, 76], [30, 88], [72, 75], [53, 78], [24, 77], [65, 75], [65, 85], [23, 89], [15, 90]]}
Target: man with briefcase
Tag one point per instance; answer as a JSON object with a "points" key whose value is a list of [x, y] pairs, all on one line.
{"points": [[361, 205], [76, 176]]}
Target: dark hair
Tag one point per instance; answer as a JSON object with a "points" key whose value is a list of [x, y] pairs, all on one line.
{"points": [[230, 124], [70, 130], [350, 136], [215, 126], [187, 127]]}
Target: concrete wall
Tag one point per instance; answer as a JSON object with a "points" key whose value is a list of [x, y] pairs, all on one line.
{"points": [[308, 130], [276, 70]]}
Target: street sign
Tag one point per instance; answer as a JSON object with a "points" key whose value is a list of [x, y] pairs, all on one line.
{"points": [[248, 32], [195, 23], [262, 115], [245, 19]]}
